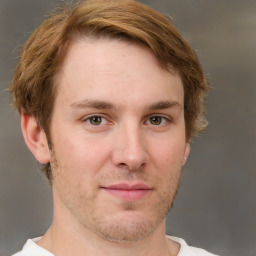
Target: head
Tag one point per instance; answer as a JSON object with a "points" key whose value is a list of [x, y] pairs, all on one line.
{"points": [[34, 86]]}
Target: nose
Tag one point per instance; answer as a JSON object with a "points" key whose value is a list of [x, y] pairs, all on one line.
{"points": [[130, 148]]}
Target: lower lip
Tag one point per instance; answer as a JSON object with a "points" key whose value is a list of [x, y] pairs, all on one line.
{"points": [[129, 195]]}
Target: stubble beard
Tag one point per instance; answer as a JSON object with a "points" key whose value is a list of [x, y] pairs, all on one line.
{"points": [[133, 229], [129, 227]]}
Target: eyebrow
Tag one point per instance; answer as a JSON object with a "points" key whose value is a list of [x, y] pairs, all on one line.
{"points": [[98, 104], [164, 105]]}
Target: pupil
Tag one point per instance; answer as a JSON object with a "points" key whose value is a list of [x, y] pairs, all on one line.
{"points": [[96, 120], [155, 120]]}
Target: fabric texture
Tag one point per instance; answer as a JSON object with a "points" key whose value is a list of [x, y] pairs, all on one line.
{"points": [[31, 249]]}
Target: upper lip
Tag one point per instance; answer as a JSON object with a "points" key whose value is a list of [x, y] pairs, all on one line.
{"points": [[127, 186]]}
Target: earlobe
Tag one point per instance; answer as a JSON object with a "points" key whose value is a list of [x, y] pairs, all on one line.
{"points": [[35, 138], [186, 154]]}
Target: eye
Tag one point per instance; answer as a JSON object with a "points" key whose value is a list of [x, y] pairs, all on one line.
{"points": [[96, 120], [157, 120]]}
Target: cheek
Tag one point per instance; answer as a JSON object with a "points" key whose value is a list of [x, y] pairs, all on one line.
{"points": [[81, 154], [169, 154]]}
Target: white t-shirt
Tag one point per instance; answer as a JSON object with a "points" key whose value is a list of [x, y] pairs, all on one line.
{"points": [[31, 249]]}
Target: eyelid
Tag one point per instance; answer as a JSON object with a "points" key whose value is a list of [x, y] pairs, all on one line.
{"points": [[102, 116], [84, 118], [167, 118], [92, 115]]}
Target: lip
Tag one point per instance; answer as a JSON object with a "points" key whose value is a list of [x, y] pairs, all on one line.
{"points": [[128, 192]]}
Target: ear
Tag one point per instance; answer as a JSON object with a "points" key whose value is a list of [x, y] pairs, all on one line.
{"points": [[35, 138], [186, 153]]}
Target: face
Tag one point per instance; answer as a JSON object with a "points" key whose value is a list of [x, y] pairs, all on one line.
{"points": [[118, 136]]}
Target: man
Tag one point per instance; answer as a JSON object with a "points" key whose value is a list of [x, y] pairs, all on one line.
{"points": [[110, 96]]}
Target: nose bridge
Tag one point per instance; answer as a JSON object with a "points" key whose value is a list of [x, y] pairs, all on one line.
{"points": [[130, 148]]}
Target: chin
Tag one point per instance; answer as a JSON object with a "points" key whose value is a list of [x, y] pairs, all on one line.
{"points": [[130, 227]]}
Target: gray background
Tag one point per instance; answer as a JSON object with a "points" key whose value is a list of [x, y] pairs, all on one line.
{"points": [[216, 205]]}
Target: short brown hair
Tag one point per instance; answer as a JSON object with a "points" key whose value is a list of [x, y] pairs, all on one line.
{"points": [[33, 88]]}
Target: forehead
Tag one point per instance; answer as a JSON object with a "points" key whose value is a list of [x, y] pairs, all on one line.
{"points": [[108, 67]]}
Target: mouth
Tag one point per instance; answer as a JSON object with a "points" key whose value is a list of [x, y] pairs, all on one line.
{"points": [[128, 192]]}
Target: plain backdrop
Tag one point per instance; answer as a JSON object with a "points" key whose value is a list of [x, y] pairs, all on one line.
{"points": [[216, 204]]}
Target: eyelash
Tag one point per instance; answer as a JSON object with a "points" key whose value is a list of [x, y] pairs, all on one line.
{"points": [[88, 119], [163, 120]]}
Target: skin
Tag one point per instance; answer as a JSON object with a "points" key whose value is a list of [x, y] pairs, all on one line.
{"points": [[118, 136]]}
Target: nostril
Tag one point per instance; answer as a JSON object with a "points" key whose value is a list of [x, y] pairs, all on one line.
{"points": [[123, 165], [131, 167], [131, 156]]}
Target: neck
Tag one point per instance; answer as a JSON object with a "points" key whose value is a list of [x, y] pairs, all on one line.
{"points": [[60, 241]]}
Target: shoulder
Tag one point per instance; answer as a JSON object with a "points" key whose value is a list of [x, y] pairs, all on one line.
{"points": [[198, 252], [17, 254], [31, 249], [186, 250]]}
